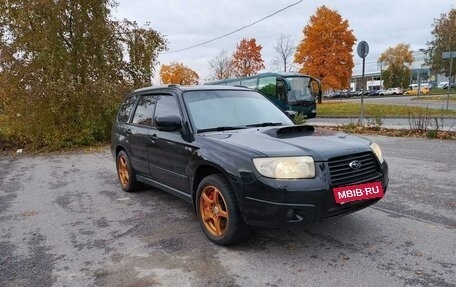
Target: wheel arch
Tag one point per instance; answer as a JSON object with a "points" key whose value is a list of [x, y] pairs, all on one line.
{"points": [[118, 149], [203, 170]]}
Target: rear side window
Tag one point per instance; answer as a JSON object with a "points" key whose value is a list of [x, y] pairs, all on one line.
{"points": [[145, 111], [125, 109]]}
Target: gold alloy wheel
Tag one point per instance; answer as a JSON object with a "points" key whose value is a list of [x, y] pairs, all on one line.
{"points": [[213, 210], [122, 169]]}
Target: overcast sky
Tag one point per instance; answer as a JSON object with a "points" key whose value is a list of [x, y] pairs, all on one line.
{"points": [[184, 23]]}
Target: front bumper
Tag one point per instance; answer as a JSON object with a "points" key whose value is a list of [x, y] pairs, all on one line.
{"points": [[271, 202]]}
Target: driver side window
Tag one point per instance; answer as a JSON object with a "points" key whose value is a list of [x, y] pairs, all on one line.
{"points": [[167, 106]]}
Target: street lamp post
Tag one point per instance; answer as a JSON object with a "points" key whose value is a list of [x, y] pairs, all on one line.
{"points": [[363, 51], [449, 55], [449, 80], [380, 63], [419, 75], [419, 82]]}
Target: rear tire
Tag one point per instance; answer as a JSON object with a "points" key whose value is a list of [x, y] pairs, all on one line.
{"points": [[125, 172], [218, 211]]}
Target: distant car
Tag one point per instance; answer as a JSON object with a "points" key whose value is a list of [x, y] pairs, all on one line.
{"points": [[331, 96], [343, 94], [361, 92], [442, 85], [351, 94], [379, 93], [451, 86], [372, 93], [423, 91], [426, 85], [393, 91], [335, 95]]}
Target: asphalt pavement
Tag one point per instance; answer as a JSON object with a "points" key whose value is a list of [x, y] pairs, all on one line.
{"points": [[64, 221]]}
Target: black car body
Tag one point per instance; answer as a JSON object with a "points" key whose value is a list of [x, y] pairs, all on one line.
{"points": [[174, 148]]}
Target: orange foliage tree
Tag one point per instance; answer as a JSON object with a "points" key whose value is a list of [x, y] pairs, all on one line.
{"points": [[397, 61], [247, 58], [325, 52], [177, 73]]}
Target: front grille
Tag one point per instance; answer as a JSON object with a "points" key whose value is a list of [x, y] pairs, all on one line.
{"points": [[343, 174]]}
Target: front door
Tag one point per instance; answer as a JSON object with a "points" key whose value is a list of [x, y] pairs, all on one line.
{"points": [[169, 155]]}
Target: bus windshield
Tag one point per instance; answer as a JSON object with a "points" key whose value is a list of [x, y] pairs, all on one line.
{"points": [[288, 91], [300, 89]]}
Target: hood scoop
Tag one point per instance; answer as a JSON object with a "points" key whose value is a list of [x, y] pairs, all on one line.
{"points": [[290, 131]]}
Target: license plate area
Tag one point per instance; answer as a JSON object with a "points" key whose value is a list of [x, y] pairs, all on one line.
{"points": [[350, 193]]}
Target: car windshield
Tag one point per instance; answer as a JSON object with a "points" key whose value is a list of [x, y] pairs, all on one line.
{"points": [[229, 109], [299, 89]]}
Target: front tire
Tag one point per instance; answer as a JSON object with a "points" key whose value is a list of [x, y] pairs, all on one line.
{"points": [[125, 172], [218, 211]]}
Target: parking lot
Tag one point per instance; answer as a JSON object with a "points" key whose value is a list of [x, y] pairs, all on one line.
{"points": [[64, 221]]}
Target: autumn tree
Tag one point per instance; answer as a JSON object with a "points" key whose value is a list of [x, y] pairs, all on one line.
{"points": [[221, 66], [64, 69], [177, 73], [247, 58], [397, 61], [143, 46], [325, 52], [444, 40], [284, 49]]}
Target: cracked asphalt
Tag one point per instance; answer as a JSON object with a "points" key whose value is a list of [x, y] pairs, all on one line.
{"points": [[64, 221]]}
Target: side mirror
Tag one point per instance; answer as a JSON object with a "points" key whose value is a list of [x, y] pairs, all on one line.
{"points": [[168, 123]]}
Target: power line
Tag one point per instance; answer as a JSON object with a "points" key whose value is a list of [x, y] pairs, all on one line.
{"points": [[237, 30]]}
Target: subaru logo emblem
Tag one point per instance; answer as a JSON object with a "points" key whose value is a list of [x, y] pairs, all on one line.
{"points": [[356, 164]]}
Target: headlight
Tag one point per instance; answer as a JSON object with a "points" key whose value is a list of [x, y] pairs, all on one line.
{"points": [[285, 167], [378, 152]]}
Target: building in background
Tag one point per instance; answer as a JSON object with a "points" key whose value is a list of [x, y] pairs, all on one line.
{"points": [[419, 72]]}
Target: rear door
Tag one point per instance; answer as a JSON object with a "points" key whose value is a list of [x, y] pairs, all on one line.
{"points": [[140, 132]]}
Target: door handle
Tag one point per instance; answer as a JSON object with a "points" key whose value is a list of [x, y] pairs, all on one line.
{"points": [[152, 139], [128, 132]]}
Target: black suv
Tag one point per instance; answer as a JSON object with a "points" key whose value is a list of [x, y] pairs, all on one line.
{"points": [[240, 160]]}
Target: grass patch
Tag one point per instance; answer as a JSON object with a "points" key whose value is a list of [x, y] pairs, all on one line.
{"points": [[437, 98], [429, 134], [441, 91], [376, 110]]}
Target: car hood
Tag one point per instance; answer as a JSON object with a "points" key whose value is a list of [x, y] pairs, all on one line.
{"points": [[321, 144]]}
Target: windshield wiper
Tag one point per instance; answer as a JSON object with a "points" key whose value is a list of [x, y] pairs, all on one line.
{"points": [[265, 124], [220, 129]]}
